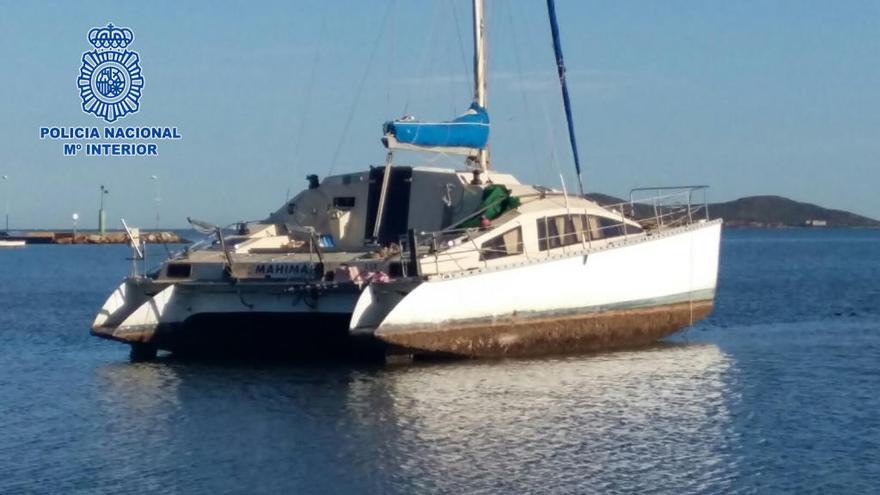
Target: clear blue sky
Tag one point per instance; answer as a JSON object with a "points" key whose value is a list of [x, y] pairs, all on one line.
{"points": [[751, 97]]}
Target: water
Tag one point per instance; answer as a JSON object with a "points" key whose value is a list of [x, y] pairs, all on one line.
{"points": [[776, 392]]}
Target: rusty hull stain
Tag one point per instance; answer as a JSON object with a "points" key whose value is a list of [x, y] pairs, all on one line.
{"points": [[594, 331], [143, 335]]}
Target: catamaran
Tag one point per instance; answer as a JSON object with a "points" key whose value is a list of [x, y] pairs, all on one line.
{"points": [[425, 261]]}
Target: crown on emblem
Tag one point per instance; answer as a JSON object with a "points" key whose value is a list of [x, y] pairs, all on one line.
{"points": [[110, 37]]}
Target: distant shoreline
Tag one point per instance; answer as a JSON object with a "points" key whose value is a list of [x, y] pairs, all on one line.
{"points": [[66, 237], [769, 212], [738, 226], [752, 212]]}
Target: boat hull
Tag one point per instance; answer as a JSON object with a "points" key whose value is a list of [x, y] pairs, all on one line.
{"points": [[548, 334], [624, 295], [627, 294], [224, 320], [301, 336]]}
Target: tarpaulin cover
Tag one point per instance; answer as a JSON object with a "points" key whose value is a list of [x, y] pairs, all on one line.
{"points": [[496, 200]]}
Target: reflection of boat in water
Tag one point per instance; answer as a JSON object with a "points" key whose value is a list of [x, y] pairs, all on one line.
{"points": [[667, 417], [422, 260], [660, 416]]}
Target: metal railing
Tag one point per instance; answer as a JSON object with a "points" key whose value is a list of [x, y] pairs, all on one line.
{"points": [[666, 207], [653, 208]]}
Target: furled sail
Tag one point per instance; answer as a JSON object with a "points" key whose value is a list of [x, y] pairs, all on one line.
{"points": [[466, 135]]}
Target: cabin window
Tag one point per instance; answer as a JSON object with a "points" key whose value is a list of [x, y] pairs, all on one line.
{"points": [[631, 229], [581, 227], [178, 270], [604, 228], [565, 227], [343, 202], [558, 231], [565, 230], [506, 244]]}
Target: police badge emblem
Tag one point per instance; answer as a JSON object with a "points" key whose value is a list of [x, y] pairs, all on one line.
{"points": [[110, 80]]}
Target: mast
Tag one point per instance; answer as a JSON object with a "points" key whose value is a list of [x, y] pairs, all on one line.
{"points": [[480, 86], [560, 68]]}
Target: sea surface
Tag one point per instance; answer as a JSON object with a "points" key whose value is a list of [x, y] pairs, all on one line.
{"points": [[777, 392]]}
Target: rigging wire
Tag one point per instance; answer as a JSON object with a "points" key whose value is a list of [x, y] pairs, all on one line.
{"points": [[560, 66], [530, 131], [420, 71], [391, 58], [360, 87], [308, 93], [533, 92], [441, 67], [467, 72], [551, 139]]}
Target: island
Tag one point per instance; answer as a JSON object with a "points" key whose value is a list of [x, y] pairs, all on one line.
{"points": [[767, 212], [776, 211]]}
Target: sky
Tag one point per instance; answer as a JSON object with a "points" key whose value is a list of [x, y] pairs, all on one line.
{"points": [[749, 97]]}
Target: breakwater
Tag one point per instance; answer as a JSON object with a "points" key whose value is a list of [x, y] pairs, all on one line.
{"points": [[86, 237]]}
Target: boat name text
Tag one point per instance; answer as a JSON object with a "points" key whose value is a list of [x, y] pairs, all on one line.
{"points": [[285, 270]]}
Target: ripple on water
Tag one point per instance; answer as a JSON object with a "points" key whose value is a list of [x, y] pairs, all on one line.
{"points": [[775, 393]]}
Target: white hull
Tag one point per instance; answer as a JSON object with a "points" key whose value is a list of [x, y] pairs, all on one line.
{"points": [[486, 312], [221, 319], [131, 316], [636, 290], [11, 244]]}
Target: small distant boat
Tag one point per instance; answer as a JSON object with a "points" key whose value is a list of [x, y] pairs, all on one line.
{"points": [[11, 244]]}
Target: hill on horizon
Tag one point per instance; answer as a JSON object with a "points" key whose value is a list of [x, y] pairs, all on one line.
{"points": [[777, 211], [768, 211]]}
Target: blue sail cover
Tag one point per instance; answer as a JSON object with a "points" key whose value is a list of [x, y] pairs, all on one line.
{"points": [[465, 135]]}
